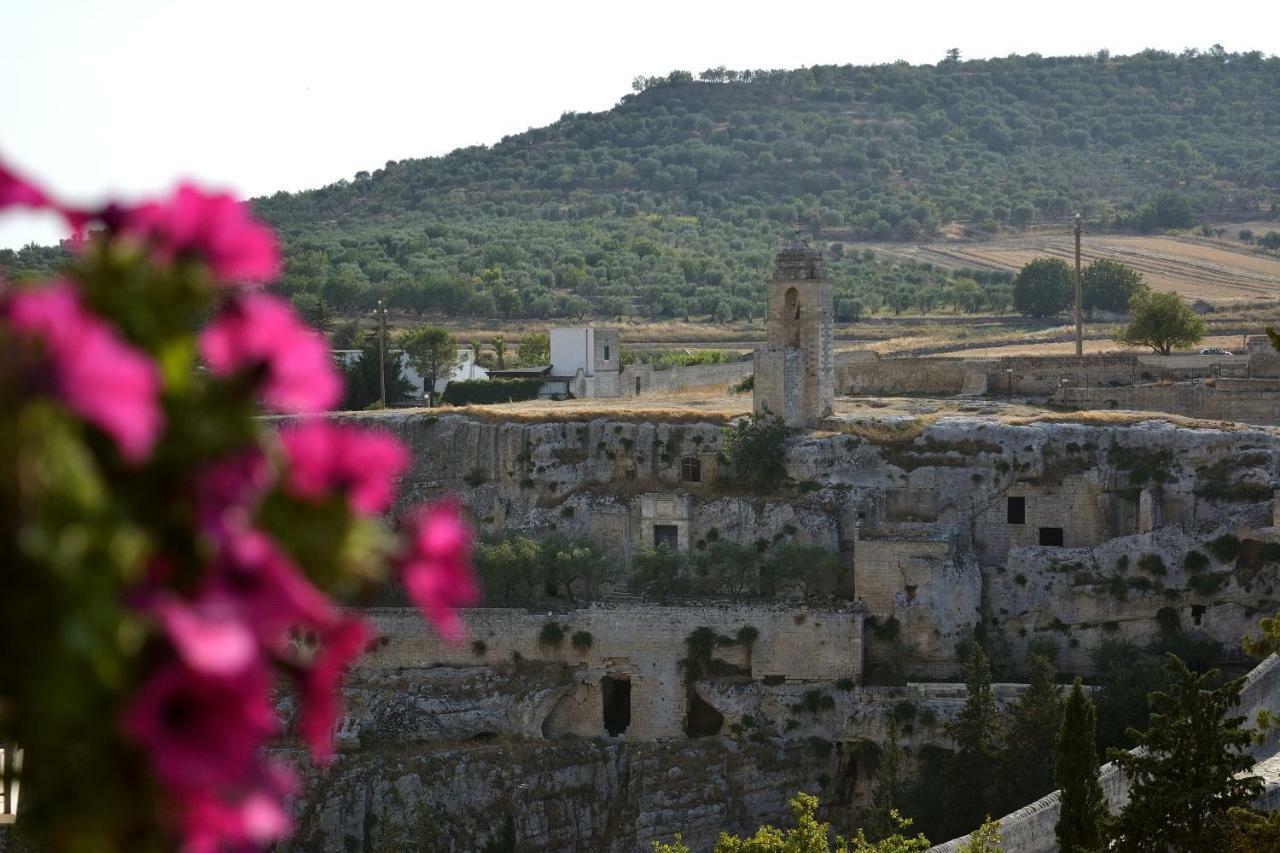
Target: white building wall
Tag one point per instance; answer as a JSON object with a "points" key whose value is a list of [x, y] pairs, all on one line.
{"points": [[573, 350]]}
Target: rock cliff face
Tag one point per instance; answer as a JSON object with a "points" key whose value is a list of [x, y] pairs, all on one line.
{"points": [[1063, 532], [1057, 533], [451, 759]]}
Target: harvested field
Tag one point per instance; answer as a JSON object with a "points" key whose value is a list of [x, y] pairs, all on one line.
{"points": [[876, 419], [1219, 271], [1095, 346]]}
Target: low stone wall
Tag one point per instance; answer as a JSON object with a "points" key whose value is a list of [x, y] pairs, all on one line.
{"points": [[1031, 828], [680, 378], [642, 644], [1236, 400], [1027, 375]]}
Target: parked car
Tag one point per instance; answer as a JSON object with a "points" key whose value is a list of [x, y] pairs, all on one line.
{"points": [[1216, 351]]}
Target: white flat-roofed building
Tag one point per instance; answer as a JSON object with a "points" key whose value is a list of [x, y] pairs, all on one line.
{"points": [[590, 357]]}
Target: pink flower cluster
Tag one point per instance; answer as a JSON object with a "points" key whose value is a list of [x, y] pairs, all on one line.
{"points": [[214, 228], [204, 712], [260, 334], [106, 381]]}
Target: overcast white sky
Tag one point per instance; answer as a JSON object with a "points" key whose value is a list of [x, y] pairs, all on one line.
{"points": [[126, 96]]}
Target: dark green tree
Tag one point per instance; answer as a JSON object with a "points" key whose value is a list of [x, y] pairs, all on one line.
{"points": [[1110, 285], [727, 568], [1161, 321], [1043, 287], [887, 795], [1186, 773], [433, 352], [311, 307], [1173, 210], [755, 452], [1026, 760], [362, 387], [1126, 675], [659, 572], [1083, 808], [535, 349], [971, 771], [799, 567]]}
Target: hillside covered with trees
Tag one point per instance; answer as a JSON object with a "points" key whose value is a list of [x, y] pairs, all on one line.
{"points": [[672, 203]]}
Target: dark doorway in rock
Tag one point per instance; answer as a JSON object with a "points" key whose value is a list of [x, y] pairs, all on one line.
{"points": [[666, 536], [701, 719], [1197, 614], [1051, 536], [1017, 511], [637, 386], [615, 692]]}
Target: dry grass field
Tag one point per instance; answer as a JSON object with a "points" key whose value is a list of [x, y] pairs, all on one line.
{"points": [[1220, 271], [881, 420], [1094, 346]]}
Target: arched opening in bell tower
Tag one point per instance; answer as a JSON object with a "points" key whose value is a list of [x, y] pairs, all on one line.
{"points": [[791, 317]]}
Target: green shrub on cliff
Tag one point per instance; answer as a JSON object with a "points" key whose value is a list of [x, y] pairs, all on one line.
{"points": [[755, 453]]}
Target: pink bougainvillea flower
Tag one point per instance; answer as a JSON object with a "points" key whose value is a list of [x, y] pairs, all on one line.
{"points": [[437, 571], [213, 227], [16, 192], [100, 377], [321, 703], [274, 595], [252, 820], [227, 491], [326, 458], [257, 332], [209, 635], [202, 731]]}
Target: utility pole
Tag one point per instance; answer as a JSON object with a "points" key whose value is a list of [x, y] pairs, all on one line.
{"points": [[1079, 297], [382, 349]]}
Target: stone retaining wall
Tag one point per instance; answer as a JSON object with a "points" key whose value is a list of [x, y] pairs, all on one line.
{"points": [[1238, 400], [1026, 375], [680, 378], [641, 644]]}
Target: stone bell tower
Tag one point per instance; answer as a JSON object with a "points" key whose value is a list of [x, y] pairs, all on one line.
{"points": [[794, 372]]}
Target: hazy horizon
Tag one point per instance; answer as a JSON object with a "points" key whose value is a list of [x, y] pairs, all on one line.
{"points": [[258, 98]]}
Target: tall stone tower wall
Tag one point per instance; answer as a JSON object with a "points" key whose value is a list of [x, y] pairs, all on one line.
{"points": [[798, 320], [779, 384]]}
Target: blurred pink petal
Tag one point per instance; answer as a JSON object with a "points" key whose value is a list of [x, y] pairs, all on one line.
{"points": [[437, 572], [257, 332], [208, 635], [340, 646], [201, 731], [16, 192], [273, 593], [325, 458], [212, 823], [213, 227], [227, 491], [106, 381]]}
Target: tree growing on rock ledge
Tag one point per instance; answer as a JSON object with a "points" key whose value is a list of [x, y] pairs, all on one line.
{"points": [[1187, 771], [1079, 827], [755, 452], [1161, 321]]}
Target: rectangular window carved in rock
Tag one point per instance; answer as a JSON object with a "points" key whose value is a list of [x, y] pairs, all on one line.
{"points": [[1017, 511], [666, 536], [1051, 536], [615, 692]]}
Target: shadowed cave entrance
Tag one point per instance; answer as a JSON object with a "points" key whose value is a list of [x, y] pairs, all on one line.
{"points": [[702, 720], [615, 692]]}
